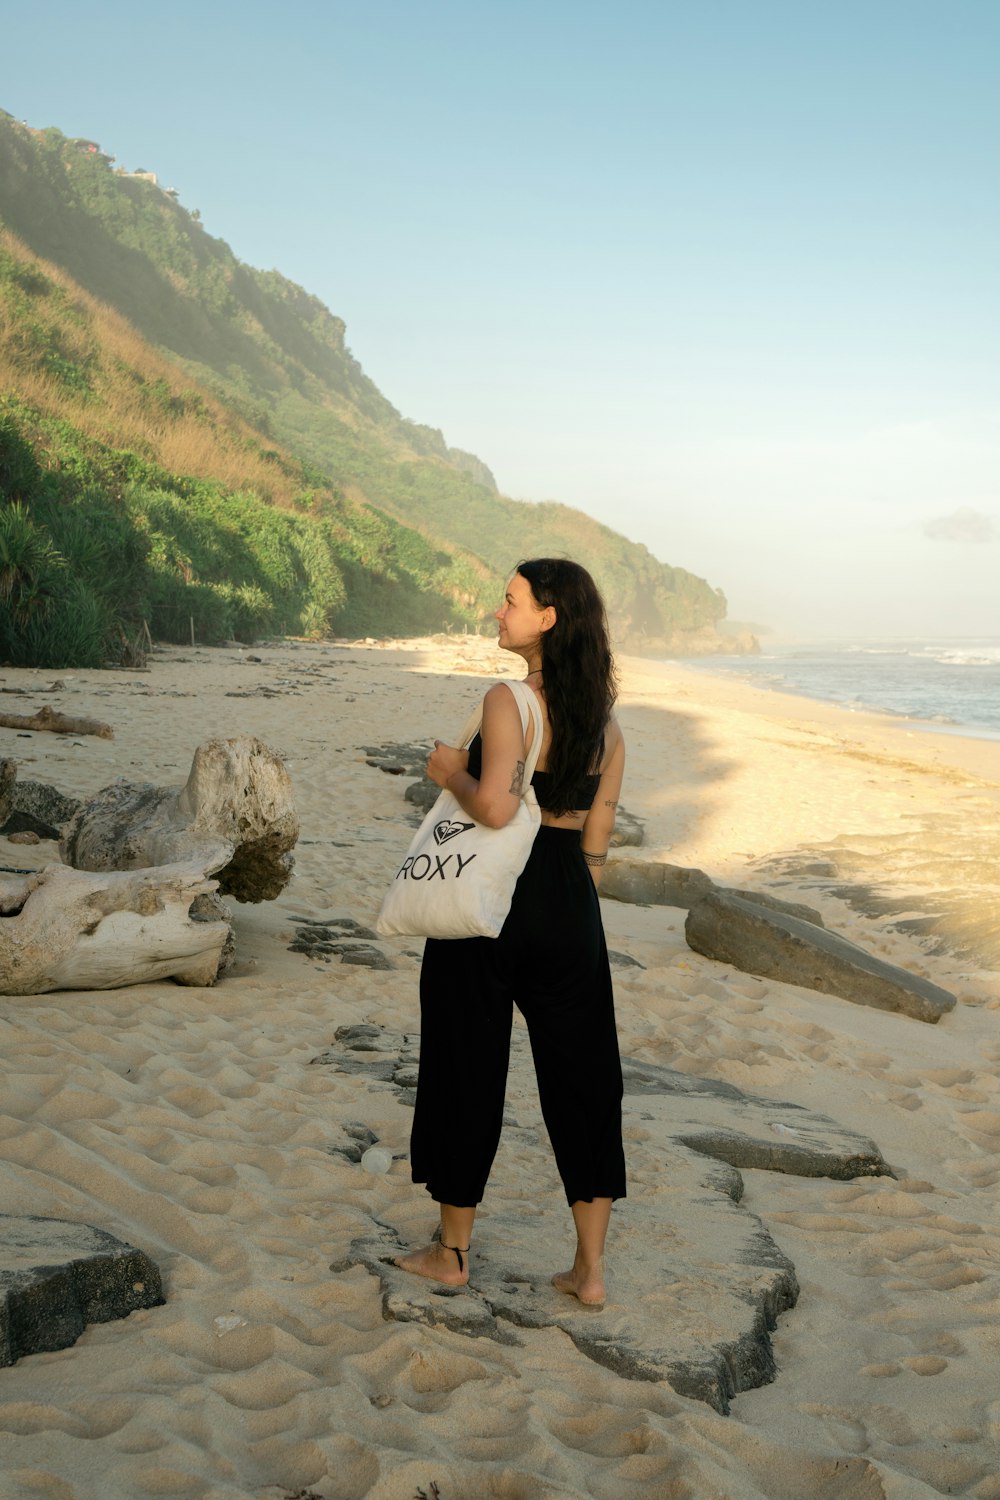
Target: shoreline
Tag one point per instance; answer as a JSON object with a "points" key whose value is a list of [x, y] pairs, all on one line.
{"points": [[198, 1124], [943, 724]]}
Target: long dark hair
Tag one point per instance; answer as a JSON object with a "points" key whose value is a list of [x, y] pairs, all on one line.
{"points": [[578, 672]]}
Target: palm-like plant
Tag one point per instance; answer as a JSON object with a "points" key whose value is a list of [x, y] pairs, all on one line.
{"points": [[31, 568]]}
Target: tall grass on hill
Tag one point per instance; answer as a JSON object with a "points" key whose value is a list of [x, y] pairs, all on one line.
{"points": [[131, 500], [81, 362]]}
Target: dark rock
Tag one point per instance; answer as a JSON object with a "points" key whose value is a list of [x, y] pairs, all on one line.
{"points": [[339, 936], [57, 1276], [338, 924], [765, 942], [399, 759], [649, 883], [746, 1130], [367, 958], [423, 794], [652, 883], [49, 806], [360, 1137], [20, 822], [366, 1037], [623, 960], [796, 909]]}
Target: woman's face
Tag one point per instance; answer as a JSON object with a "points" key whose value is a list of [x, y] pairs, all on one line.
{"points": [[522, 620]]}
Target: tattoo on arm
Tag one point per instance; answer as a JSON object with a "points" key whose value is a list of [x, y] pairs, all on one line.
{"points": [[517, 784], [609, 803], [595, 859]]}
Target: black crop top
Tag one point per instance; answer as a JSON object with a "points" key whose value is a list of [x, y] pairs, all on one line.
{"points": [[583, 793]]}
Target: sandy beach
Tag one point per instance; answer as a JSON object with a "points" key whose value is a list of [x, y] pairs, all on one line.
{"points": [[194, 1123]]}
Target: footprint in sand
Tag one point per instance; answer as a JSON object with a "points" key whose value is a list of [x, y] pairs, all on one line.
{"points": [[925, 1364], [194, 1101], [949, 1078]]}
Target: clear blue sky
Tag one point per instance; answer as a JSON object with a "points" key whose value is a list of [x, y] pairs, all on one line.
{"points": [[723, 273]]}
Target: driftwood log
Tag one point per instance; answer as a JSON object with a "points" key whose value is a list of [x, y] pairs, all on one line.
{"points": [[136, 899], [63, 929], [57, 723], [234, 815]]}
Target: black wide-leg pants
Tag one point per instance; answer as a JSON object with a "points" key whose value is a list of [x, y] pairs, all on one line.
{"points": [[551, 960]]}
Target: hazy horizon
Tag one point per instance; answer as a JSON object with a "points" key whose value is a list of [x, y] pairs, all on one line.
{"points": [[722, 279]]}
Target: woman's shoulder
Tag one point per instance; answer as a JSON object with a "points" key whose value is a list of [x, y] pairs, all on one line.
{"points": [[501, 705], [501, 696]]}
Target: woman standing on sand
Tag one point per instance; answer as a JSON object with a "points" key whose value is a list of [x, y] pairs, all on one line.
{"points": [[550, 958]]}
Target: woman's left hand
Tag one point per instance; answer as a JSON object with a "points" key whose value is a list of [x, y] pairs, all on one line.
{"points": [[444, 761]]}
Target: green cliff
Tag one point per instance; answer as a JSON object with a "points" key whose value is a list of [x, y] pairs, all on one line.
{"points": [[276, 358]]}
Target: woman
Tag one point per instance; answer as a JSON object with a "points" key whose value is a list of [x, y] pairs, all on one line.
{"points": [[550, 957]]}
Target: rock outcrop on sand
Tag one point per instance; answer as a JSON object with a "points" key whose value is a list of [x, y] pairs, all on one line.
{"points": [[699, 1287], [762, 941], [760, 934], [57, 1276], [644, 882], [37, 808]]}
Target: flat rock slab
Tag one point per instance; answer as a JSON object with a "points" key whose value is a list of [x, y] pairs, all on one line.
{"points": [[698, 1282], [745, 1130], [760, 941], [698, 1285], [57, 1276], [342, 937]]}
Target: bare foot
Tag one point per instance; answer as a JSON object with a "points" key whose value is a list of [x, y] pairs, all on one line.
{"points": [[436, 1262], [587, 1285]]}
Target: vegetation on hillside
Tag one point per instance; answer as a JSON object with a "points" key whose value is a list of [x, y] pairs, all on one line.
{"points": [[131, 502], [276, 356]]}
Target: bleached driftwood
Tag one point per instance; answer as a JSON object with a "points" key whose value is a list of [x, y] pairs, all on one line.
{"points": [[234, 814], [63, 929], [51, 719]]}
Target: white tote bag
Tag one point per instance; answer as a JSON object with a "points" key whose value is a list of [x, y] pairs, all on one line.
{"points": [[458, 877]]}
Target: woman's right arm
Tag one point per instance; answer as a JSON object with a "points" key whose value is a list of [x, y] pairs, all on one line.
{"points": [[600, 820], [495, 797]]}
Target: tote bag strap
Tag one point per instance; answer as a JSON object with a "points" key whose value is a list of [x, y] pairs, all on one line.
{"points": [[527, 704]]}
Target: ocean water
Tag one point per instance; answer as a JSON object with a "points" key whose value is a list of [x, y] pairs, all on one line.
{"points": [[945, 685]]}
